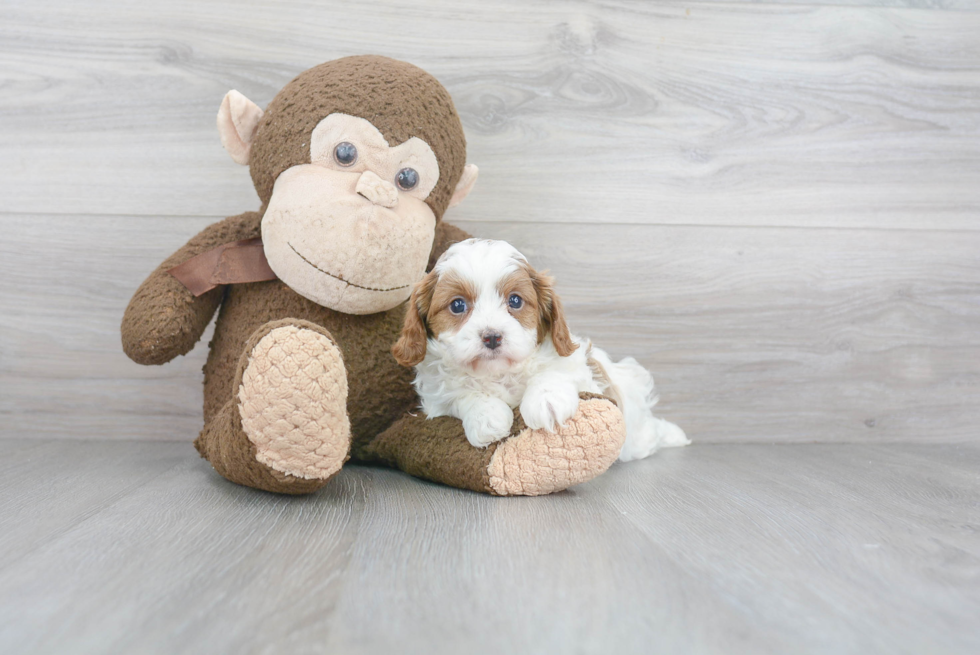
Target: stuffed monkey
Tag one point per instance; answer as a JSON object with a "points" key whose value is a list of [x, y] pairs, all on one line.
{"points": [[355, 161]]}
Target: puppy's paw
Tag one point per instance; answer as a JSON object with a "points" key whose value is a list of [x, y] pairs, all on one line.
{"points": [[546, 408], [488, 422]]}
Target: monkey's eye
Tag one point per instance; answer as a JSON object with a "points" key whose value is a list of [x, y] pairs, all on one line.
{"points": [[345, 154], [458, 306], [407, 179], [515, 301]]}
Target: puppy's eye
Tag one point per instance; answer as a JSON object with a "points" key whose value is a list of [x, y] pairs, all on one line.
{"points": [[407, 179], [515, 301], [345, 154], [457, 306]]}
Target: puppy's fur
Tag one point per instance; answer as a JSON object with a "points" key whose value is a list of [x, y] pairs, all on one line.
{"points": [[487, 333]]}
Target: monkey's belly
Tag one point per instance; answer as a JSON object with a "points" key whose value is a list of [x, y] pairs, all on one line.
{"points": [[379, 390]]}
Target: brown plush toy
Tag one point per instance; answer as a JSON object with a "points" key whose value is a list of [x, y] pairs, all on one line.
{"points": [[355, 162]]}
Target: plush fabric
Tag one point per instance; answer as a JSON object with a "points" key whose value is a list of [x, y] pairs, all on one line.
{"points": [[537, 462], [293, 400], [316, 228], [238, 119], [529, 463], [280, 364], [465, 184], [413, 103], [164, 319]]}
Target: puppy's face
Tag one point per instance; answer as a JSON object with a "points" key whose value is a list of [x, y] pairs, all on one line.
{"points": [[486, 305]]}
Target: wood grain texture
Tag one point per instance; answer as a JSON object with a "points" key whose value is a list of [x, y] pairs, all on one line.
{"points": [[751, 165], [956, 5], [68, 483], [753, 334], [679, 113], [708, 549], [62, 370]]}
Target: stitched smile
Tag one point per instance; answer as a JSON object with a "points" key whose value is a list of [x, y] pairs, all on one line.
{"points": [[404, 286]]}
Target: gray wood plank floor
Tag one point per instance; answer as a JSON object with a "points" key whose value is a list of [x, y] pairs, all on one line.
{"points": [[772, 205], [753, 334], [115, 547], [615, 110]]}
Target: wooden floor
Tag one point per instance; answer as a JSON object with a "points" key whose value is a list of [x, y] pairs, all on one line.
{"points": [[140, 547]]}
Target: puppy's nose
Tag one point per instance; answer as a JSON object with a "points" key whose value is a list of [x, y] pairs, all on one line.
{"points": [[492, 339]]}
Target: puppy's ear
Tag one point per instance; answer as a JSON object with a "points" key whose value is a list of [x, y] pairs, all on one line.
{"points": [[552, 315], [410, 348], [559, 329]]}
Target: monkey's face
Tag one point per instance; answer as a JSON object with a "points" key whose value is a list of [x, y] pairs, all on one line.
{"points": [[351, 230], [350, 218]]}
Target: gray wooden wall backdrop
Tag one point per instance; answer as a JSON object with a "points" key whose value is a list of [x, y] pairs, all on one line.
{"points": [[773, 206]]}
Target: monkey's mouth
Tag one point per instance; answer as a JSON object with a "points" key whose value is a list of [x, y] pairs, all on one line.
{"points": [[337, 277]]}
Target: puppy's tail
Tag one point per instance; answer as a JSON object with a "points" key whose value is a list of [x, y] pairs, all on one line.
{"points": [[631, 386]]}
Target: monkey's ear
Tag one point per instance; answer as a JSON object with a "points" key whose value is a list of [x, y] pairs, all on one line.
{"points": [[238, 119], [465, 184]]}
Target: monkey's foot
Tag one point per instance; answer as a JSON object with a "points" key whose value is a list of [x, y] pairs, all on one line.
{"points": [[293, 401], [537, 462]]}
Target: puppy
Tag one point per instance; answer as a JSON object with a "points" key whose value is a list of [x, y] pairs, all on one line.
{"points": [[486, 333]]}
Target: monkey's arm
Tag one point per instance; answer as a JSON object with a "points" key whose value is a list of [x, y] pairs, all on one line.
{"points": [[446, 235], [163, 318]]}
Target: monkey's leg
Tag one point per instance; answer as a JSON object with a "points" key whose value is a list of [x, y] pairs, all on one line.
{"points": [[286, 429], [529, 463]]}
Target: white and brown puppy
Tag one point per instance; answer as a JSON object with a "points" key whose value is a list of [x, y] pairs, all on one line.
{"points": [[487, 333]]}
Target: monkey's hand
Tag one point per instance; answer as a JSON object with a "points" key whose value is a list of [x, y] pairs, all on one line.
{"points": [[164, 319]]}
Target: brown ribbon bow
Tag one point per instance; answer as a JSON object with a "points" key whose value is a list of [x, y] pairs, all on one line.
{"points": [[229, 263]]}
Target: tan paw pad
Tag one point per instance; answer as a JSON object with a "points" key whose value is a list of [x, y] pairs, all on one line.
{"points": [[293, 403], [537, 462]]}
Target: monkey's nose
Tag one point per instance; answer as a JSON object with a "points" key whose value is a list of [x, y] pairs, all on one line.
{"points": [[492, 339], [377, 190]]}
